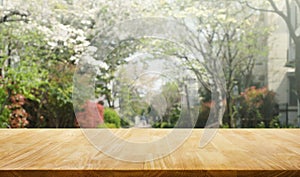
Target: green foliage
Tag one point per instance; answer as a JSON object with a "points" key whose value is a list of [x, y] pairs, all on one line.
{"points": [[166, 125], [130, 102], [256, 107], [225, 125], [4, 118], [114, 60], [39, 72], [125, 123], [107, 125], [261, 125], [20, 70], [162, 125], [166, 106], [175, 114], [275, 123], [43, 68], [156, 125], [112, 117], [172, 98], [4, 111]]}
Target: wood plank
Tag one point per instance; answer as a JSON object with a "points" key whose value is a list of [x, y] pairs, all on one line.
{"points": [[232, 152]]}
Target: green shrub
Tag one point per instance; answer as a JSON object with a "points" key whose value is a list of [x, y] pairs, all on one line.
{"points": [[4, 123], [275, 123], [43, 76], [111, 117], [261, 125], [225, 125], [156, 125], [125, 123], [107, 125], [256, 107], [166, 125]]}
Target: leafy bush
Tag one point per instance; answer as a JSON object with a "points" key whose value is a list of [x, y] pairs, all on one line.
{"points": [[275, 123], [261, 125], [225, 125], [156, 125], [4, 118], [175, 114], [125, 123], [41, 74], [257, 107], [107, 125], [166, 125], [111, 117], [162, 125]]}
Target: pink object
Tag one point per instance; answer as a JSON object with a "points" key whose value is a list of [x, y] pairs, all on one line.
{"points": [[101, 113], [92, 115]]}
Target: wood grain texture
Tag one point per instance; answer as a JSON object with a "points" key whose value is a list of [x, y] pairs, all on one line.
{"points": [[233, 152]]}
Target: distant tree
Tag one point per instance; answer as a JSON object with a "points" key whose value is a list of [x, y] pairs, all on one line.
{"points": [[236, 38]]}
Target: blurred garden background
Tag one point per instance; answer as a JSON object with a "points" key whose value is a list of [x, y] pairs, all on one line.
{"points": [[42, 42]]}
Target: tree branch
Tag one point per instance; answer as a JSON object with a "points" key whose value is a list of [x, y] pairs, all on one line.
{"points": [[274, 6], [258, 9], [285, 18], [11, 13], [280, 13], [191, 67]]}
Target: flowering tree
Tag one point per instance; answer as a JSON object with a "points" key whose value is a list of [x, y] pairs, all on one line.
{"points": [[60, 32], [38, 58]]}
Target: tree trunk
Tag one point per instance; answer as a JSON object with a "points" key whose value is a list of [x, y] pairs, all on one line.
{"points": [[231, 120]]}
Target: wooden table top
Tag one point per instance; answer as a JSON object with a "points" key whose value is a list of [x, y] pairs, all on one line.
{"points": [[232, 152]]}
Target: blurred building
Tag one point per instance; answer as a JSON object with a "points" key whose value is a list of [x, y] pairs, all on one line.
{"points": [[281, 62]]}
